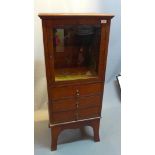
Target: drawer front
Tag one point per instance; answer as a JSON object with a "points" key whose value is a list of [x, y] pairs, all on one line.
{"points": [[89, 113], [68, 116], [75, 91], [76, 103], [61, 117], [63, 105], [90, 101]]}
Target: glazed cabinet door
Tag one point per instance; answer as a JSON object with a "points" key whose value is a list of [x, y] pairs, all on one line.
{"points": [[76, 49]]}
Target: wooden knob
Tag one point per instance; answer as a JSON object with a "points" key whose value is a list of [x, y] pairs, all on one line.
{"points": [[77, 94]]}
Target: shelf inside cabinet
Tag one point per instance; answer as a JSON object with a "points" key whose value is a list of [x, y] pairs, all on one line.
{"points": [[75, 73]]}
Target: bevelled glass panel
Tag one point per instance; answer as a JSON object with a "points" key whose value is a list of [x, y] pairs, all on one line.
{"points": [[76, 51]]}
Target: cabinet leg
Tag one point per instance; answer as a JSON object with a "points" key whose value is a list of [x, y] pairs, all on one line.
{"points": [[55, 130], [95, 126], [54, 133]]}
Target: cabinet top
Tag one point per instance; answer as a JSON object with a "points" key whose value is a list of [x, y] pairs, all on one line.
{"points": [[57, 15]]}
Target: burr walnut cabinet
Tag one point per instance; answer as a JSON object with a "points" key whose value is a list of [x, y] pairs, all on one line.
{"points": [[75, 49]]}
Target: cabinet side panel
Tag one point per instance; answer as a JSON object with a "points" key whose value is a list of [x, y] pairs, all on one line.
{"points": [[46, 56], [104, 52], [105, 28]]}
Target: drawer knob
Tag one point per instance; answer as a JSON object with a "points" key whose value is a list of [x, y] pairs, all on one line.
{"points": [[77, 92], [77, 105]]}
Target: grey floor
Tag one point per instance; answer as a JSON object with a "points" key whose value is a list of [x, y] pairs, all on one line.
{"points": [[76, 142]]}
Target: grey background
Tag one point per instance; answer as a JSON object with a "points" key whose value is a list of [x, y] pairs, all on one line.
{"points": [[114, 55]]}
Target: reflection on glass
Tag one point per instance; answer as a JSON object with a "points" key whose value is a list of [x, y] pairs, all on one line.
{"points": [[76, 52]]}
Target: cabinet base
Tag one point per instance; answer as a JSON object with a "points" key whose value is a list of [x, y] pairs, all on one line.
{"points": [[55, 130]]}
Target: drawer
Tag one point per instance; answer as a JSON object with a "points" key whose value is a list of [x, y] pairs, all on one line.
{"points": [[75, 91], [76, 103], [89, 113], [60, 117], [75, 115], [63, 105], [90, 101]]}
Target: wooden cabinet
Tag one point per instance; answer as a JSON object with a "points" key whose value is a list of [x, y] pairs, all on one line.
{"points": [[75, 48]]}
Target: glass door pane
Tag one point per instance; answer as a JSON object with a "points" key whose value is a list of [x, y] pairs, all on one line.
{"points": [[76, 51]]}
